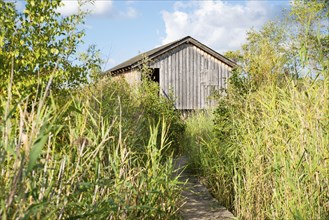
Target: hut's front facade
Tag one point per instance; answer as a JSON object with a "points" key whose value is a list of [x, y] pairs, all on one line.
{"points": [[185, 68]]}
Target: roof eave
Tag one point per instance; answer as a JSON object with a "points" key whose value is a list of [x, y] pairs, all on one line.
{"points": [[188, 39]]}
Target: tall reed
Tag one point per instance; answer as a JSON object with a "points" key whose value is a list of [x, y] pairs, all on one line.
{"points": [[270, 156], [283, 171], [60, 161]]}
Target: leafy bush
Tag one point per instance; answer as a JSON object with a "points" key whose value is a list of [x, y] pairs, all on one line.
{"points": [[155, 107]]}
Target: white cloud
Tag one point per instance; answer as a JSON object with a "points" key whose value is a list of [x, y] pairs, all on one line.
{"points": [[102, 7], [98, 7], [220, 25]]}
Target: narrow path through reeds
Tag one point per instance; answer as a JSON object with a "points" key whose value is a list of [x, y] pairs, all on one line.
{"points": [[198, 202]]}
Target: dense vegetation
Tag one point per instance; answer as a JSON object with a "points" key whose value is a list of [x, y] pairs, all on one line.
{"points": [[97, 156], [264, 151], [73, 145]]}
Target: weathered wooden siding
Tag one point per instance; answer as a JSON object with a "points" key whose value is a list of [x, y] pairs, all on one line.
{"points": [[191, 74], [133, 77]]}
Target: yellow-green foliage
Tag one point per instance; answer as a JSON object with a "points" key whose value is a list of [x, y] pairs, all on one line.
{"points": [[79, 159], [37, 43], [282, 171], [269, 155], [96, 151], [138, 105], [199, 131], [208, 156]]}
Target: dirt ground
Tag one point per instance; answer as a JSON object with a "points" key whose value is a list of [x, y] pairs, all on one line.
{"points": [[199, 204]]}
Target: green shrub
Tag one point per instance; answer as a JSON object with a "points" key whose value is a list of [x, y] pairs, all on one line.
{"points": [[154, 107]]}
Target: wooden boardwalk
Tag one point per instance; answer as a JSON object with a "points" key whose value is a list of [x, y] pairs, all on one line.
{"points": [[199, 204]]}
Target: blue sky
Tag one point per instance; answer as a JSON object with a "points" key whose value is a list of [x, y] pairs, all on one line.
{"points": [[123, 29]]}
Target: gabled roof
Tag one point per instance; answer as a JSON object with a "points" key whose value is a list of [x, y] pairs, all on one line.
{"points": [[152, 54]]}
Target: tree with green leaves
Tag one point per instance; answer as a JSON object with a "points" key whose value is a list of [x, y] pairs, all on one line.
{"points": [[295, 46], [39, 45]]}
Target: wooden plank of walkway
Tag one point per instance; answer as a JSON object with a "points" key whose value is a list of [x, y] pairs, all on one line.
{"points": [[199, 204]]}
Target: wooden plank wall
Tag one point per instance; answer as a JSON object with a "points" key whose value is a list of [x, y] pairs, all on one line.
{"points": [[191, 74]]}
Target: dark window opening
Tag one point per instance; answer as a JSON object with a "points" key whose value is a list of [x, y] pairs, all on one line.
{"points": [[155, 75]]}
